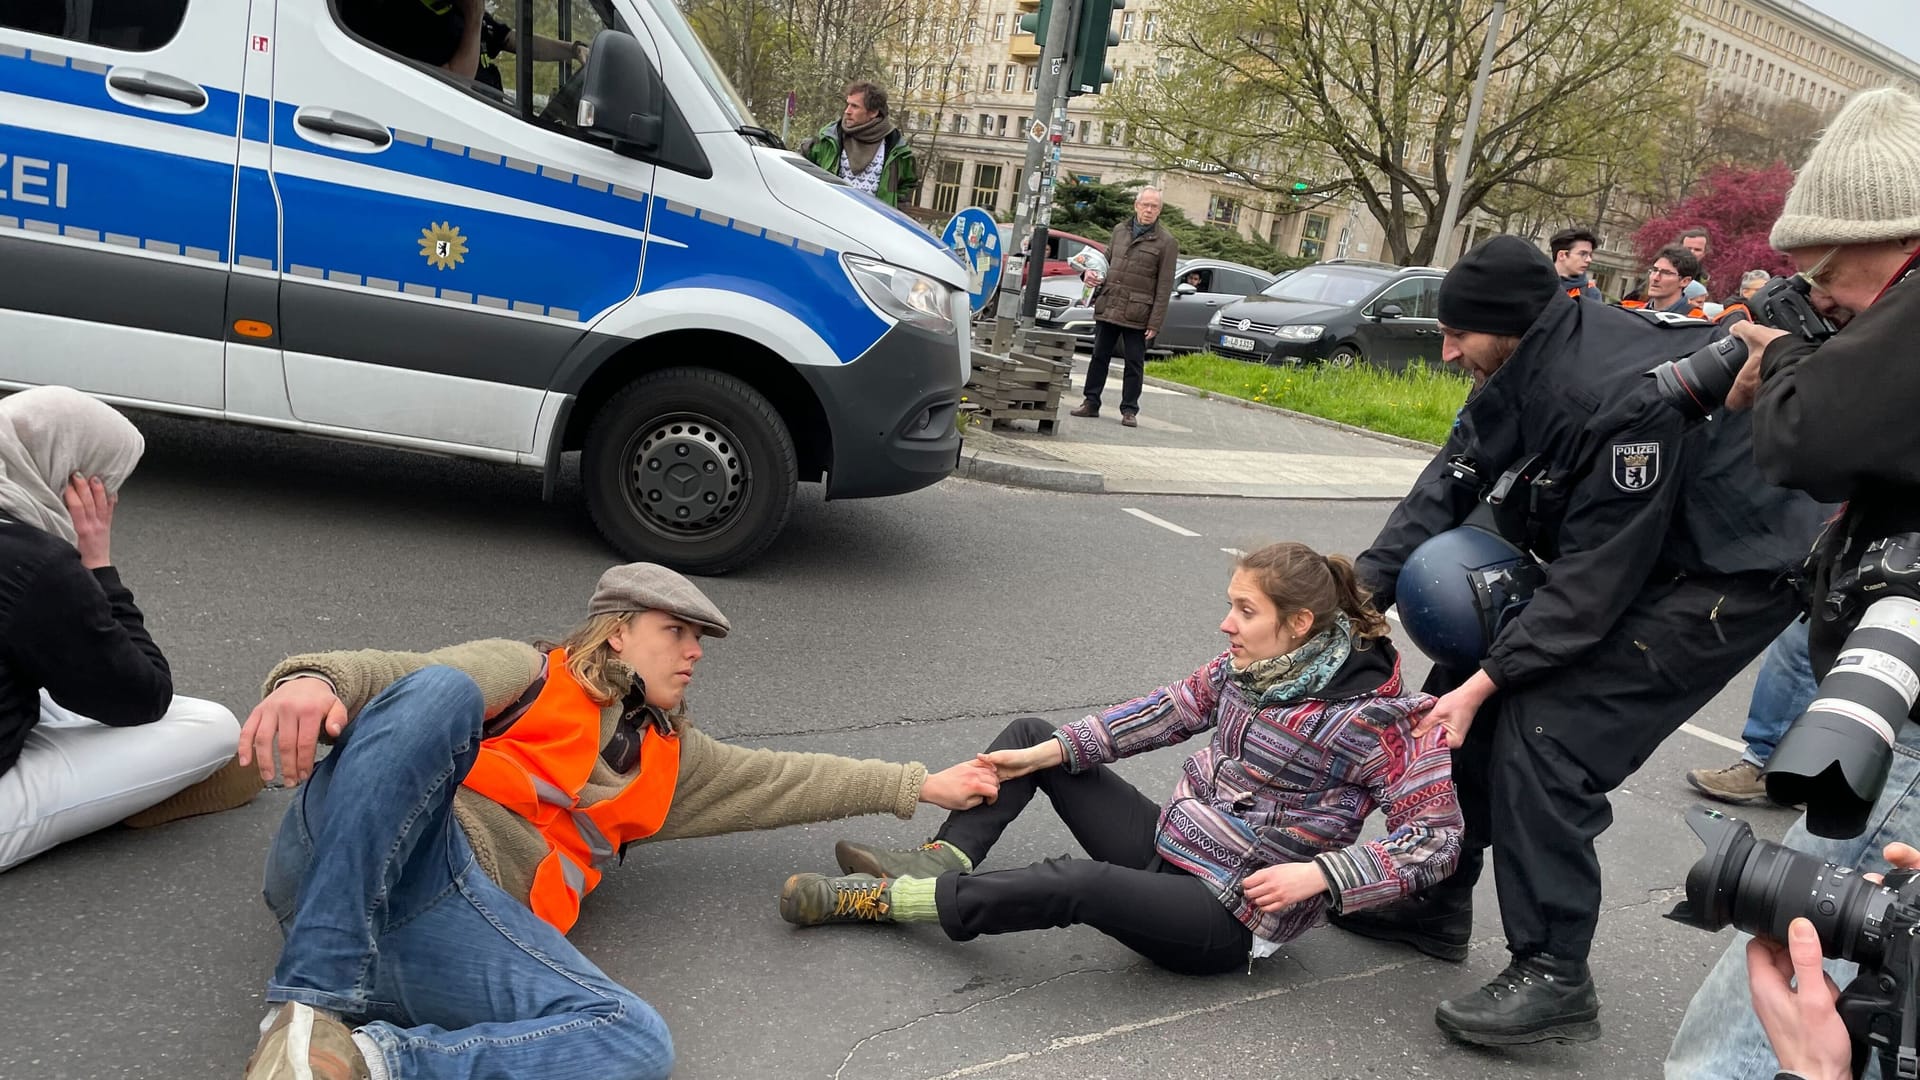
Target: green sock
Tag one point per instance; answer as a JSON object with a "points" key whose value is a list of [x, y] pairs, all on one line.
{"points": [[965, 862], [913, 900]]}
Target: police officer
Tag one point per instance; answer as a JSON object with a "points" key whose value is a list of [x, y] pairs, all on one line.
{"points": [[1664, 551]]}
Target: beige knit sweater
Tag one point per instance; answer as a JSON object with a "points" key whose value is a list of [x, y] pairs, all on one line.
{"points": [[721, 788]]}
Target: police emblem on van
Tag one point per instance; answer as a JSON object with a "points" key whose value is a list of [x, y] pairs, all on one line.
{"points": [[1636, 466], [443, 246]]}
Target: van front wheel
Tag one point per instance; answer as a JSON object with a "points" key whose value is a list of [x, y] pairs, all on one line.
{"points": [[690, 468]]}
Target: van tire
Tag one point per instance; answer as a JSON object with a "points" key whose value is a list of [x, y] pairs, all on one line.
{"points": [[691, 468], [1345, 356]]}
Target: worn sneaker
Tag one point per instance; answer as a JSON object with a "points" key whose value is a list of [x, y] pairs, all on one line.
{"points": [[928, 860], [815, 899], [1738, 783], [303, 1043]]}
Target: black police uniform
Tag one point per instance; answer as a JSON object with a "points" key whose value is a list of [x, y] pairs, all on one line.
{"points": [[1665, 551], [1836, 419]]}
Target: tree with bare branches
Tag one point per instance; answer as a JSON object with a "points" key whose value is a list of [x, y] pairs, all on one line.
{"points": [[1367, 99]]}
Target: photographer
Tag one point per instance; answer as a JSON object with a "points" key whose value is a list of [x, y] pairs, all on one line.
{"points": [[1835, 419]]}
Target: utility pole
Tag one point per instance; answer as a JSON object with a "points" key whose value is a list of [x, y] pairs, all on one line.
{"points": [[1033, 207], [1449, 217]]}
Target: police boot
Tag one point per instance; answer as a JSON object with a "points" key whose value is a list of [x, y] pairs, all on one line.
{"points": [[1438, 922], [1539, 998]]}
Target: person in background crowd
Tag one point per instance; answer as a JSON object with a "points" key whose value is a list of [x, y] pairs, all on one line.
{"points": [[1129, 303], [1572, 251], [865, 149], [1695, 241], [1673, 269], [91, 731]]}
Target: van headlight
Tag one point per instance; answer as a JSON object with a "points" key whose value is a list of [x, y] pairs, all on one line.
{"points": [[1218, 320], [908, 296], [1308, 332]]}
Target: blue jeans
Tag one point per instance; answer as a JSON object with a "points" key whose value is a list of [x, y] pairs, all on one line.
{"points": [[390, 922], [1720, 1038], [1782, 692]]}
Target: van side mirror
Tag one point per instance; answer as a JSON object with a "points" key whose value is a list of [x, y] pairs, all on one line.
{"points": [[1184, 289], [622, 96], [1391, 311]]}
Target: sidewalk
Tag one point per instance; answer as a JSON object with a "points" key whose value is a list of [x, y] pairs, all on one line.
{"points": [[1187, 444]]}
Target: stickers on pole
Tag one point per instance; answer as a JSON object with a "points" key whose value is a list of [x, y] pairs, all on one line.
{"points": [[1038, 132], [974, 238]]}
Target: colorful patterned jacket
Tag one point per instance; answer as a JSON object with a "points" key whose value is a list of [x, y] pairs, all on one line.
{"points": [[1293, 781]]}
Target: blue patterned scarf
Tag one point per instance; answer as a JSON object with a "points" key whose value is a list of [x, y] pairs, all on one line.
{"points": [[1304, 671]]}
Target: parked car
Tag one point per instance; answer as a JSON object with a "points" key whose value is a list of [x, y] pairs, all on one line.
{"points": [[1193, 303], [1340, 313], [1061, 246]]}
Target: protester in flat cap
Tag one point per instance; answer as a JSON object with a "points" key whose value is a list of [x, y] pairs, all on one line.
{"points": [[428, 871]]}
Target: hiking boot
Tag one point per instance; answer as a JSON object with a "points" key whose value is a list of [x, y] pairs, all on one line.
{"points": [[1538, 998], [927, 861], [815, 899], [1128, 419], [1738, 783], [327, 1043], [1439, 924], [1088, 407]]}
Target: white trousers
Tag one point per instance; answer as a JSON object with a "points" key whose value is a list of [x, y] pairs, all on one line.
{"points": [[76, 776]]}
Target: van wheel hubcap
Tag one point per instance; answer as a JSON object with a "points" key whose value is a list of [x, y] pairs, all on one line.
{"points": [[687, 476]]}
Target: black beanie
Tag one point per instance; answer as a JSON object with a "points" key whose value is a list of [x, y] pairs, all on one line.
{"points": [[1500, 287]]}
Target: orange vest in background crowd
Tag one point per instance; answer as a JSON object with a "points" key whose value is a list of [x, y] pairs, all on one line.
{"points": [[537, 768], [1694, 311]]}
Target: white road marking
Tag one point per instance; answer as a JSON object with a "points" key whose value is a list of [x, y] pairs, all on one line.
{"points": [[1235, 552], [1162, 522], [1715, 738]]}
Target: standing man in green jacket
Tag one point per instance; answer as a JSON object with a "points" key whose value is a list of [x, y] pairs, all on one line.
{"points": [[428, 869], [1129, 303], [865, 149]]}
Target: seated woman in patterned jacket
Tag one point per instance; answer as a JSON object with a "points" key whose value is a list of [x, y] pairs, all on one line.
{"points": [[1311, 730]]}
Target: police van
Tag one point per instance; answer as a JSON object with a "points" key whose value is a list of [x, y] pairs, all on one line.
{"points": [[308, 215]]}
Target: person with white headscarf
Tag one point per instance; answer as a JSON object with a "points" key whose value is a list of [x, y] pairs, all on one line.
{"points": [[90, 729]]}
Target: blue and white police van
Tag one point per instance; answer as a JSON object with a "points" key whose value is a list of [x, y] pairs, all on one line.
{"points": [[275, 212]]}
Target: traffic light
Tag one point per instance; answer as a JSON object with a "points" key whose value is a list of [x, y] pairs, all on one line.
{"points": [[1299, 189], [1092, 38], [1036, 22]]}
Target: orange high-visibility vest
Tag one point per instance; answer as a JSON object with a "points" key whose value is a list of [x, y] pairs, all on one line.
{"points": [[537, 768]]}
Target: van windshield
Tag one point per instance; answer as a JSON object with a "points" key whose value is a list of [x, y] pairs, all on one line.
{"points": [[696, 53]]}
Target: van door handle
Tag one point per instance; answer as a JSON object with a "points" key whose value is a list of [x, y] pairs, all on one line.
{"points": [[329, 122], [154, 84]]}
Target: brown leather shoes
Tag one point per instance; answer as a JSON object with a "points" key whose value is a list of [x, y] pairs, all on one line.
{"points": [[1087, 408], [1128, 419]]}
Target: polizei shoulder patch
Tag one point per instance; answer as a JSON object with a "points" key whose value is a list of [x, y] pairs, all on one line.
{"points": [[1636, 466]]}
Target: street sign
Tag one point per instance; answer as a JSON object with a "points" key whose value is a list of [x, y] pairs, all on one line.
{"points": [[974, 239], [1038, 132]]}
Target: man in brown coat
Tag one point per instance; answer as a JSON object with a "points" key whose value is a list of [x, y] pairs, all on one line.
{"points": [[1130, 302]]}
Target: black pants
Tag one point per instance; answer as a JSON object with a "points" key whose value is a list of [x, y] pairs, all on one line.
{"points": [[1535, 770], [1126, 891], [1133, 343]]}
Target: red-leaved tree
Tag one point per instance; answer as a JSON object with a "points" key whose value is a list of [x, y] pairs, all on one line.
{"points": [[1737, 207]]}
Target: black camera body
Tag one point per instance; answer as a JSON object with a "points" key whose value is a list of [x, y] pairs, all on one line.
{"points": [[1698, 384], [1761, 887]]}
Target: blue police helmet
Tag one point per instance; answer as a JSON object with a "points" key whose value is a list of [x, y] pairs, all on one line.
{"points": [[1459, 589]]}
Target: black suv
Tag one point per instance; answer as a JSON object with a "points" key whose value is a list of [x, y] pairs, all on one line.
{"points": [[1339, 312]]}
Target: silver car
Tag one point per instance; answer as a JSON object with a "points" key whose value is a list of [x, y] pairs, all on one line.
{"points": [[1202, 286]]}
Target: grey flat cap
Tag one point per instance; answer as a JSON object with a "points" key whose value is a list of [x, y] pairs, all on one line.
{"points": [[643, 586]]}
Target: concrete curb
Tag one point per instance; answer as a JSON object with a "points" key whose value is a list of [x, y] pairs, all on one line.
{"points": [[992, 468], [1321, 421]]}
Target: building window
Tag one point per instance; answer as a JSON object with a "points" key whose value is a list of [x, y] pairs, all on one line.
{"points": [[1126, 26], [1006, 79], [973, 31], [986, 187], [993, 76], [986, 124], [1029, 82], [999, 28], [1149, 26], [1001, 128], [1222, 210], [1163, 66], [957, 126], [1110, 133], [1086, 130], [946, 188], [965, 81], [1313, 237]]}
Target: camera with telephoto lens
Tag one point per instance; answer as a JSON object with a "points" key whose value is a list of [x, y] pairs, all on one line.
{"points": [[1835, 757], [1698, 384], [1761, 887]]}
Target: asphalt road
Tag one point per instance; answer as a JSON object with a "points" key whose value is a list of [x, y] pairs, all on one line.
{"points": [[909, 628]]}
